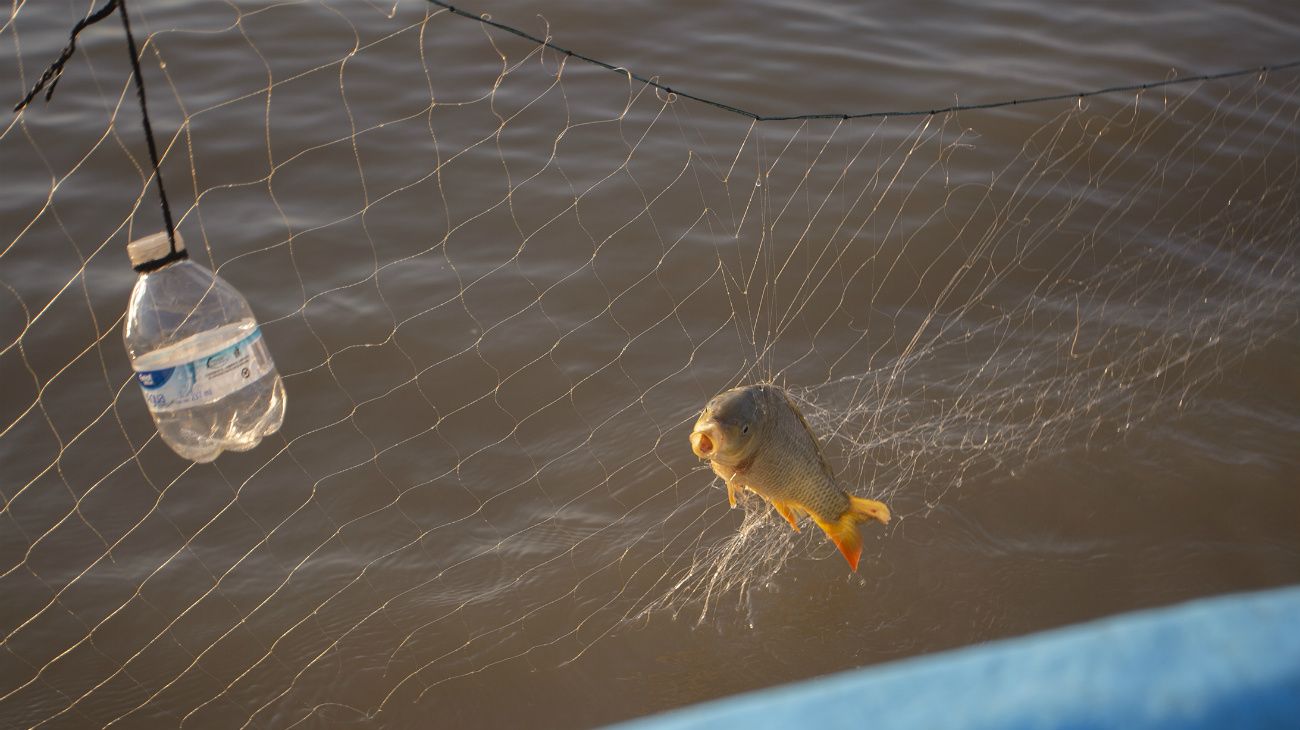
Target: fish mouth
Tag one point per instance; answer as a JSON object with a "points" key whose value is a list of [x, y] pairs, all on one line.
{"points": [[704, 443]]}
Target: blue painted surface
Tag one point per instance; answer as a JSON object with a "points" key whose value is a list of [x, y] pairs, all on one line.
{"points": [[1230, 662]]}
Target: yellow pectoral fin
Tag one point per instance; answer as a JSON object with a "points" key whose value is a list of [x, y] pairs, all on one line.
{"points": [[728, 476], [732, 487], [786, 510]]}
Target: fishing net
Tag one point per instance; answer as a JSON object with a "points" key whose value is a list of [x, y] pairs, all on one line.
{"points": [[498, 302]]}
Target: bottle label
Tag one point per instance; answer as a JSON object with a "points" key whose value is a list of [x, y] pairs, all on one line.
{"points": [[207, 379]]}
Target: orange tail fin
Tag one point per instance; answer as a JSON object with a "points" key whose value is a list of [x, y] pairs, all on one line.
{"points": [[844, 531]]}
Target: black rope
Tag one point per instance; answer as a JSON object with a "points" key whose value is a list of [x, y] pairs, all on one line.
{"points": [[594, 61], [156, 264], [55, 72], [867, 115], [148, 135]]}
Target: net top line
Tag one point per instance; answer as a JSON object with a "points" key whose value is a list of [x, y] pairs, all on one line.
{"points": [[54, 72], [486, 19]]}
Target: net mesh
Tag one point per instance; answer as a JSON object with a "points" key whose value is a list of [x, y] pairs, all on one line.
{"points": [[499, 303]]}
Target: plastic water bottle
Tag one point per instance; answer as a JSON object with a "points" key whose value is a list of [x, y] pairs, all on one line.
{"points": [[198, 355]]}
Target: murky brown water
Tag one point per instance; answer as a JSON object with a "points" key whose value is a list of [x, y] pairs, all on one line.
{"points": [[1059, 339]]}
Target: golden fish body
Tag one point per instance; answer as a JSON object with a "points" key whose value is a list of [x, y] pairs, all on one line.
{"points": [[755, 438]]}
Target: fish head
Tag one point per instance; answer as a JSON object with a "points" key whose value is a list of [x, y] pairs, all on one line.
{"points": [[728, 428]]}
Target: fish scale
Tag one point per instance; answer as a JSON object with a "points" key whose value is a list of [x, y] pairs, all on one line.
{"points": [[790, 468]]}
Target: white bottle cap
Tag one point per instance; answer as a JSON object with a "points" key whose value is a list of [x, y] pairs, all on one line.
{"points": [[151, 248]]}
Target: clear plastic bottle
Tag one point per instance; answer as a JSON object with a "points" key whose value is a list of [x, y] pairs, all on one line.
{"points": [[198, 354]]}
